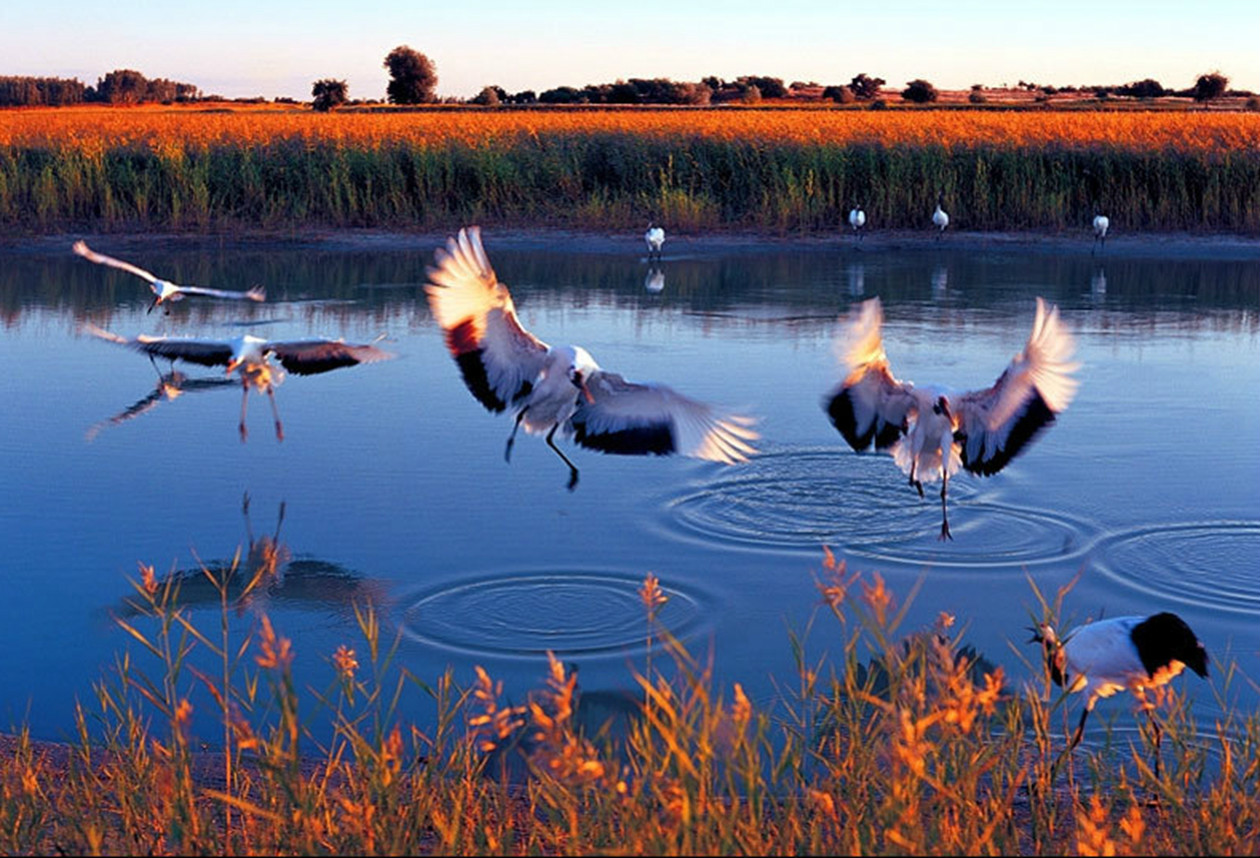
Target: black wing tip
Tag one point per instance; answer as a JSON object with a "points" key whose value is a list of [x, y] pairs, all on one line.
{"points": [[1037, 417], [650, 439], [839, 408]]}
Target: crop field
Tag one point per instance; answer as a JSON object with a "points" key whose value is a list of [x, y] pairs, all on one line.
{"points": [[736, 168]]}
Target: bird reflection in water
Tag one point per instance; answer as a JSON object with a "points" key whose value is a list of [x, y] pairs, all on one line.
{"points": [[654, 282], [265, 572], [170, 386]]}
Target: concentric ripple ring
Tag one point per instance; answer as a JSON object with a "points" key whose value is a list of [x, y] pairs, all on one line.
{"points": [[567, 612], [807, 497], [1207, 564]]}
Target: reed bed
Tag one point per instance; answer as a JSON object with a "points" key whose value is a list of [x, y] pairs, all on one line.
{"points": [[901, 741], [774, 170]]}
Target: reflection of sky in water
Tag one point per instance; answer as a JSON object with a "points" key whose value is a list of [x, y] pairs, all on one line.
{"points": [[395, 483]]}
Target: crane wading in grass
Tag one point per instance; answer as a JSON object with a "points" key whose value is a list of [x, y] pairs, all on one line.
{"points": [[248, 356], [561, 388], [163, 290], [931, 431], [1134, 653]]}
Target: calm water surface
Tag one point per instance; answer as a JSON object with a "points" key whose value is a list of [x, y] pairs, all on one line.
{"points": [[395, 489]]}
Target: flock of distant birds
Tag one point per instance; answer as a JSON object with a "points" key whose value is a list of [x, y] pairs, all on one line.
{"points": [[931, 432]]}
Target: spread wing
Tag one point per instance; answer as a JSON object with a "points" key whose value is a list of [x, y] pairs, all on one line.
{"points": [[994, 425], [498, 358], [307, 357], [625, 417], [256, 293], [870, 404], [81, 248], [203, 352]]}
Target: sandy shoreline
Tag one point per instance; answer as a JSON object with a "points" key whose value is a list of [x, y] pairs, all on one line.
{"points": [[1183, 246]]}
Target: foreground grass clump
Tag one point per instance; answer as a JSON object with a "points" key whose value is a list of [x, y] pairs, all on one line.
{"points": [[906, 743], [797, 170]]}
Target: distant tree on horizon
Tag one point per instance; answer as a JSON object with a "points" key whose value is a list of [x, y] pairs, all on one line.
{"points": [[919, 91], [413, 76], [866, 87], [328, 94], [1210, 86], [839, 94], [490, 96]]}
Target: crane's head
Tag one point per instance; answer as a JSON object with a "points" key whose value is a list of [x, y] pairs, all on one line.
{"points": [[1052, 648]]}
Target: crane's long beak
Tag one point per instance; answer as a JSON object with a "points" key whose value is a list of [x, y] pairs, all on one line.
{"points": [[232, 365]]}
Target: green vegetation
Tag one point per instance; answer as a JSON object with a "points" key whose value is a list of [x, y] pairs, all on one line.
{"points": [[897, 741], [607, 180]]}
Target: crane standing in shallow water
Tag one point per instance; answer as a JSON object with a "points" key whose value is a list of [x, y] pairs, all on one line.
{"points": [[1101, 224], [1133, 653], [930, 431], [939, 217], [655, 240]]}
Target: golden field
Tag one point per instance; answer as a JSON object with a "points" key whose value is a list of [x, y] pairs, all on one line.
{"points": [[159, 126], [765, 169]]}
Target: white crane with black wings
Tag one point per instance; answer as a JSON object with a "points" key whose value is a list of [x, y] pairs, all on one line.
{"points": [[931, 431], [561, 388]]}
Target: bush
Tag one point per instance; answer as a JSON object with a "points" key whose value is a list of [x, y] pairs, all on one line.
{"points": [[1253, 103], [977, 97], [919, 91], [879, 104]]}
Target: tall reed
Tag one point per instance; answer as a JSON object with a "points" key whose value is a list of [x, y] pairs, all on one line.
{"points": [[891, 740]]}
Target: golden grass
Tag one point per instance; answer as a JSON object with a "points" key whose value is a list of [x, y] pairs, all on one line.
{"points": [[895, 743], [770, 170], [166, 128]]}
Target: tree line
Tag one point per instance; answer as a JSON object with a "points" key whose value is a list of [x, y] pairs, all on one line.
{"points": [[121, 86]]}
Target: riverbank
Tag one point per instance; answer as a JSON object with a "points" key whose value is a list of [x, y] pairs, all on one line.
{"points": [[678, 246]]}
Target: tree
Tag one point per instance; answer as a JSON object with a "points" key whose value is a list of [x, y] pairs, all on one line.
{"points": [[919, 91], [1149, 88], [122, 86], [490, 96], [328, 94], [413, 77], [1210, 86], [866, 87], [839, 94]]}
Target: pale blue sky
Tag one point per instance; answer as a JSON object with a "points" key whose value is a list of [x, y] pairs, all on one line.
{"points": [[279, 47]]}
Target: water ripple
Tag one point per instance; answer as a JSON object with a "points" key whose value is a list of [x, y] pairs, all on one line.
{"points": [[1210, 564], [526, 614], [807, 497]]}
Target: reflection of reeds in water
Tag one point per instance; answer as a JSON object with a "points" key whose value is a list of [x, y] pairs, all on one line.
{"points": [[265, 573], [888, 741]]}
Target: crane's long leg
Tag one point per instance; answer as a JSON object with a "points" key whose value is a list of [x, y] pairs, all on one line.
{"points": [[945, 534], [275, 413], [573, 471], [1080, 726], [244, 406], [507, 451]]}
